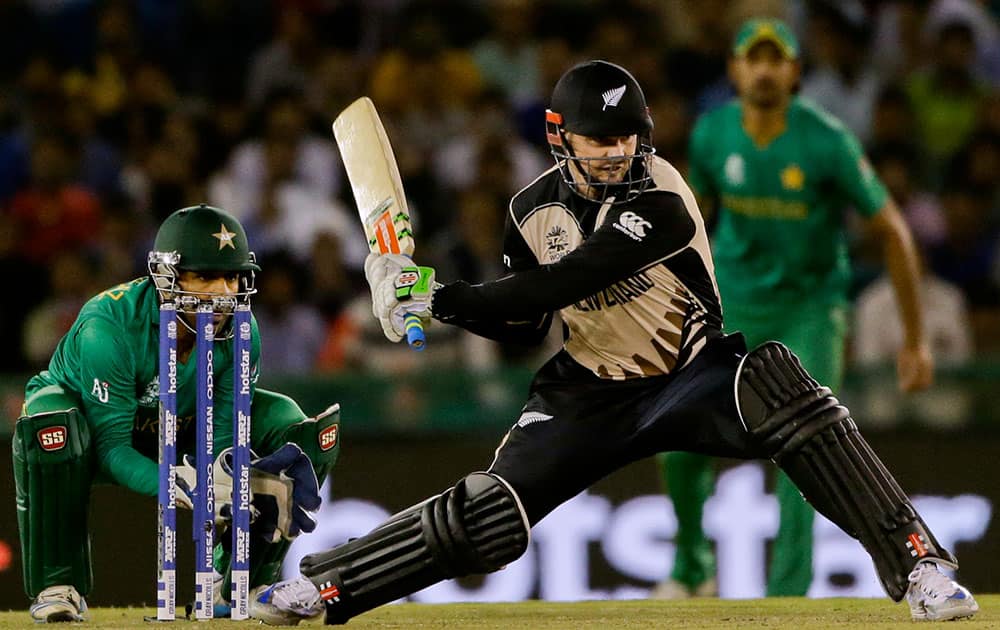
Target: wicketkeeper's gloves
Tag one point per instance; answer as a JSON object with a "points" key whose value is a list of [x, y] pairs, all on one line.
{"points": [[285, 494], [187, 483]]}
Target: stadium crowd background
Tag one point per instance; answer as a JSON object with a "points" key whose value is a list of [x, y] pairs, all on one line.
{"points": [[115, 113]]}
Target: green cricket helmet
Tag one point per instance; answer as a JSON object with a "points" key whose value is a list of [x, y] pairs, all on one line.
{"points": [[201, 238]]}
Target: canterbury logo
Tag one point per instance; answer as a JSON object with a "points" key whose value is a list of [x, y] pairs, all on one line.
{"points": [[613, 97], [632, 225]]}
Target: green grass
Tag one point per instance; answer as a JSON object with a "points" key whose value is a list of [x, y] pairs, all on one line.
{"points": [[774, 614]]}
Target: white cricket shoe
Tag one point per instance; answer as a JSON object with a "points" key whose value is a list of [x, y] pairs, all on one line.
{"points": [[933, 596], [286, 603], [58, 603]]}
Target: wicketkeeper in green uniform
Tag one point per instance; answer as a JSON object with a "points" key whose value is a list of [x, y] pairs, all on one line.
{"points": [[779, 172], [91, 417]]}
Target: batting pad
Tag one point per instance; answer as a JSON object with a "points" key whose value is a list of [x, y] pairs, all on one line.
{"points": [[806, 431], [478, 526]]}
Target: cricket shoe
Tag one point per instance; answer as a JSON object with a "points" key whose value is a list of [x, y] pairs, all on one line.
{"points": [[672, 589], [58, 603], [933, 596], [285, 603]]}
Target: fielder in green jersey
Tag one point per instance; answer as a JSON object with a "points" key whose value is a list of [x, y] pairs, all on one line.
{"points": [[91, 417], [778, 172]]}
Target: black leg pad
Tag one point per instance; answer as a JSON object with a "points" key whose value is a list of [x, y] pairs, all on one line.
{"points": [[478, 526], [805, 430]]}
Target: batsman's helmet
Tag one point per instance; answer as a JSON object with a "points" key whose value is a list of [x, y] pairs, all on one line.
{"points": [[600, 99], [201, 238]]}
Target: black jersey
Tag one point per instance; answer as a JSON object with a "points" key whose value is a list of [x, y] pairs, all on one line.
{"points": [[633, 282]]}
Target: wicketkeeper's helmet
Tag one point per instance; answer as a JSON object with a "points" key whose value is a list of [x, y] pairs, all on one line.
{"points": [[201, 238], [600, 99]]}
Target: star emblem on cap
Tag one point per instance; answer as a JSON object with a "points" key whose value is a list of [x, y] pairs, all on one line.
{"points": [[225, 237]]}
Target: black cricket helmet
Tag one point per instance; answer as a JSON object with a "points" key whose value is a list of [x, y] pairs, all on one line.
{"points": [[600, 99], [201, 238]]}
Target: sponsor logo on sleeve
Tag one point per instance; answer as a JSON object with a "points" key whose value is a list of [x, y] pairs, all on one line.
{"points": [[632, 225]]}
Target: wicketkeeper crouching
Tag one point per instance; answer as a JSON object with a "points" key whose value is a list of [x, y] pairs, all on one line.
{"points": [[91, 417]]}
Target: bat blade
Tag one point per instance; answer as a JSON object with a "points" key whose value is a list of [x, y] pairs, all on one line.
{"points": [[374, 176], [378, 189]]}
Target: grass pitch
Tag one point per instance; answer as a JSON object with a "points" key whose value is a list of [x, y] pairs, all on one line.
{"points": [[774, 614]]}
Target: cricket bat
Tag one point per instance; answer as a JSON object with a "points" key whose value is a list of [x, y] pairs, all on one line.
{"points": [[378, 189]]}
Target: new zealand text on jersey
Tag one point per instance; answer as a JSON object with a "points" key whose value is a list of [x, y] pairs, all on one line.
{"points": [[618, 293]]}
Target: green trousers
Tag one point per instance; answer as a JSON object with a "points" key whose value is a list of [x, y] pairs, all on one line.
{"points": [[816, 333], [54, 473]]}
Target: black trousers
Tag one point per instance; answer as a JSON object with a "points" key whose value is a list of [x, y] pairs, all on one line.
{"points": [[576, 428]]}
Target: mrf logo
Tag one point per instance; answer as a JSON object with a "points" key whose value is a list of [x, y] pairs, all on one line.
{"points": [[328, 437], [52, 438]]}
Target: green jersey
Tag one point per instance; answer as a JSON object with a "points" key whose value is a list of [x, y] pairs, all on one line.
{"points": [[109, 361], [780, 237]]}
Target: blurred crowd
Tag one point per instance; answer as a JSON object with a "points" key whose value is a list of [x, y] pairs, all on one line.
{"points": [[114, 113]]}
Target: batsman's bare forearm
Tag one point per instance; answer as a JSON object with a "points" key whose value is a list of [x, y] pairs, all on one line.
{"points": [[901, 260]]}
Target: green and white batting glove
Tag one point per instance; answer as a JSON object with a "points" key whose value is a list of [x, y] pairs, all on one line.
{"points": [[399, 287]]}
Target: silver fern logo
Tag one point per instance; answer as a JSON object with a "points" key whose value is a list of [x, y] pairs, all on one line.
{"points": [[613, 97]]}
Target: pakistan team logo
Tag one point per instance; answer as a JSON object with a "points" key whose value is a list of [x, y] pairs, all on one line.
{"points": [[151, 396], [735, 169], [556, 244]]}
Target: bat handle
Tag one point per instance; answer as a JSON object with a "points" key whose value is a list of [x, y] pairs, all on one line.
{"points": [[414, 332]]}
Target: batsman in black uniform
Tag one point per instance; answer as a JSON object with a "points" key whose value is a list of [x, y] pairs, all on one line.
{"points": [[611, 237]]}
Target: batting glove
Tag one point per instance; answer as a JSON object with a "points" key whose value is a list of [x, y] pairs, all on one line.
{"points": [[399, 287]]}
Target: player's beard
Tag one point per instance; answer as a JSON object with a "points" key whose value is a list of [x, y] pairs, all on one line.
{"points": [[610, 171], [765, 93], [598, 175]]}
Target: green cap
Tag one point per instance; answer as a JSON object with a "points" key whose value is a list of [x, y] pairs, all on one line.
{"points": [[757, 30], [206, 239]]}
